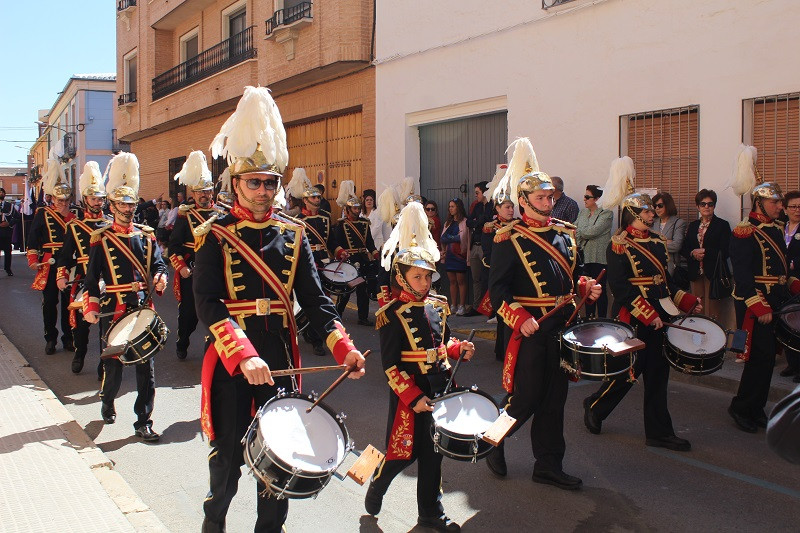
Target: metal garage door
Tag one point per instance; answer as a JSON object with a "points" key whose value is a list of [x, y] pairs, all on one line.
{"points": [[455, 155]]}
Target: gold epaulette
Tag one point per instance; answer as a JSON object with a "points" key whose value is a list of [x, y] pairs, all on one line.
{"points": [[568, 225], [618, 242], [504, 233], [380, 315], [184, 208], [488, 227], [743, 229], [365, 220], [440, 300], [297, 221], [144, 228], [779, 223], [97, 234]]}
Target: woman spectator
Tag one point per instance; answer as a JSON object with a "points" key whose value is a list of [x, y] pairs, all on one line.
{"points": [[671, 228], [455, 240], [434, 222], [594, 234], [706, 242], [380, 230], [163, 214], [791, 235]]}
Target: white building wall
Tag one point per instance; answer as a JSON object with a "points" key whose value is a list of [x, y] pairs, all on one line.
{"points": [[567, 76]]}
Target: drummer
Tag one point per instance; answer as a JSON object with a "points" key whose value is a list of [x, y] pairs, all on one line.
{"points": [[354, 243], [75, 255], [318, 231], [248, 263], [415, 345], [535, 263], [124, 255], [644, 295]]}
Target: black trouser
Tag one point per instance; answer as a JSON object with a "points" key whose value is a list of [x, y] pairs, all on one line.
{"points": [[231, 401], [501, 340], [50, 308], [598, 308], [754, 385], [187, 315], [5, 247], [362, 300], [540, 390], [653, 365]]}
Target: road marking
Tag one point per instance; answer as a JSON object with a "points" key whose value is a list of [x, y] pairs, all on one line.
{"points": [[728, 473]]}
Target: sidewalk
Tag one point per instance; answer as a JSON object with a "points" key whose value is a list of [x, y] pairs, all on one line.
{"points": [[53, 477]]}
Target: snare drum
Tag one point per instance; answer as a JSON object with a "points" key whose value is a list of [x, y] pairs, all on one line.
{"points": [[141, 332], [583, 346], [787, 330], [460, 422], [338, 276], [77, 300], [694, 353], [292, 452], [436, 282]]}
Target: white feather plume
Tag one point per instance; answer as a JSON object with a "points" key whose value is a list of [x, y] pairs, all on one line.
{"points": [[523, 161], [621, 174], [194, 170], [225, 180], [744, 172], [498, 175], [346, 189], [256, 122], [51, 175], [299, 182], [406, 188], [388, 202], [411, 227], [123, 169], [280, 199], [91, 173]]}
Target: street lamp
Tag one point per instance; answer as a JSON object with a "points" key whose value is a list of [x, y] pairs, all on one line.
{"points": [[79, 127]]}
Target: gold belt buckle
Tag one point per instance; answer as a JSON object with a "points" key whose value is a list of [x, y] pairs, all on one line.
{"points": [[657, 279], [430, 355], [262, 306], [559, 300]]}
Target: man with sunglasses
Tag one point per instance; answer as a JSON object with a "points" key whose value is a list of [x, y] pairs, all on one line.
{"points": [[197, 179], [250, 264]]}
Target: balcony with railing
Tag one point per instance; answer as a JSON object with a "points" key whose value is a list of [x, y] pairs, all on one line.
{"points": [[290, 16], [122, 5], [126, 99], [230, 52], [547, 4]]}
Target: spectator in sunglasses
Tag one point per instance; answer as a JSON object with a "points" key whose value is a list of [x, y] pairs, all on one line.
{"points": [[434, 222], [671, 228], [594, 234]]}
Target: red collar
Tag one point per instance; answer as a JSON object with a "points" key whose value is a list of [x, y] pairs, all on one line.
{"points": [[406, 297], [308, 213], [535, 223], [764, 219], [89, 216], [638, 233], [245, 214], [122, 229]]}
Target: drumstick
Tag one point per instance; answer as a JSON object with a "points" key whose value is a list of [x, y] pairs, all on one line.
{"points": [[458, 363], [551, 312], [50, 261], [338, 267], [583, 300], [684, 328], [306, 370], [336, 383]]}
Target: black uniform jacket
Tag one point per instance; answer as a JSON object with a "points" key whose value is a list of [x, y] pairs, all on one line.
{"points": [[354, 237], [45, 241], [181, 240], [318, 231]]}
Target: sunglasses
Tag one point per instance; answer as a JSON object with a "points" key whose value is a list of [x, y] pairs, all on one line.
{"points": [[587, 197], [430, 209], [254, 184], [659, 206], [706, 204]]}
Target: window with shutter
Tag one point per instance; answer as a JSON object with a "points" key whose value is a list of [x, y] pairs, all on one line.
{"points": [[772, 125]]}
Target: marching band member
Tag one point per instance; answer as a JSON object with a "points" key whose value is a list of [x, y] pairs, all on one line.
{"points": [[762, 285], [44, 248], [644, 294], [415, 345], [196, 176], [124, 255], [354, 244], [247, 265], [535, 264], [75, 254]]}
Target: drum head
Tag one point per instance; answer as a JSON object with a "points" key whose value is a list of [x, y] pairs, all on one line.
{"points": [[466, 414], [597, 333], [346, 272], [130, 326], [311, 442], [791, 316], [713, 341]]}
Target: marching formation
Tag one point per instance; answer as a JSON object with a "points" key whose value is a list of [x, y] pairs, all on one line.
{"points": [[262, 264]]}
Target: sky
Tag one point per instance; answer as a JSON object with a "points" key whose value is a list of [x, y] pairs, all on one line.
{"points": [[42, 44]]}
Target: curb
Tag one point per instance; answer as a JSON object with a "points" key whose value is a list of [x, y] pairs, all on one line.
{"points": [[138, 514]]}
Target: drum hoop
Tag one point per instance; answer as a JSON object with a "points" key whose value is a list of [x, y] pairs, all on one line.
{"points": [[469, 390], [669, 346], [591, 350]]}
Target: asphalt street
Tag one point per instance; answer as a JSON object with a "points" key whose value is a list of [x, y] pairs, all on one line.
{"points": [[730, 481]]}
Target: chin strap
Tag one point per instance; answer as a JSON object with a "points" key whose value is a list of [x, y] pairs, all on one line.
{"points": [[639, 218], [405, 285], [535, 210]]}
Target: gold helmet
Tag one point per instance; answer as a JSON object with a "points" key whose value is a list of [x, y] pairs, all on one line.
{"points": [[54, 182], [122, 178], [253, 138], [195, 174], [347, 195], [91, 181], [414, 240], [768, 191]]}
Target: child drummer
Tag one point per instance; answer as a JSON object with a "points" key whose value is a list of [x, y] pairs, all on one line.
{"points": [[415, 345]]}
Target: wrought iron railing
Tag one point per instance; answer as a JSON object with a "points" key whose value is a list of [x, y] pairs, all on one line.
{"points": [[546, 4], [122, 5], [229, 52], [127, 98], [288, 15]]}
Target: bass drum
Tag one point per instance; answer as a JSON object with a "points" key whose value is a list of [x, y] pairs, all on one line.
{"points": [[695, 353], [460, 422], [583, 347], [787, 330]]}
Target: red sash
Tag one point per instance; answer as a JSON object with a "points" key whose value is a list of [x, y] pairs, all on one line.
{"points": [[127, 252]]}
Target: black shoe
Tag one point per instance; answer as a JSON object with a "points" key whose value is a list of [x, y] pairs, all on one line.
{"points": [[557, 479], [788, 371], [438, 523], [672, 442], [373, 501], [77, 361], [9, 272], [496, 461], [365, 322], [744, 423], [591, 420], [181, 354], [318, 349], [50, 347], [471, 312], [69, 346], [147, 434], [109, 414], [761, 419]]}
